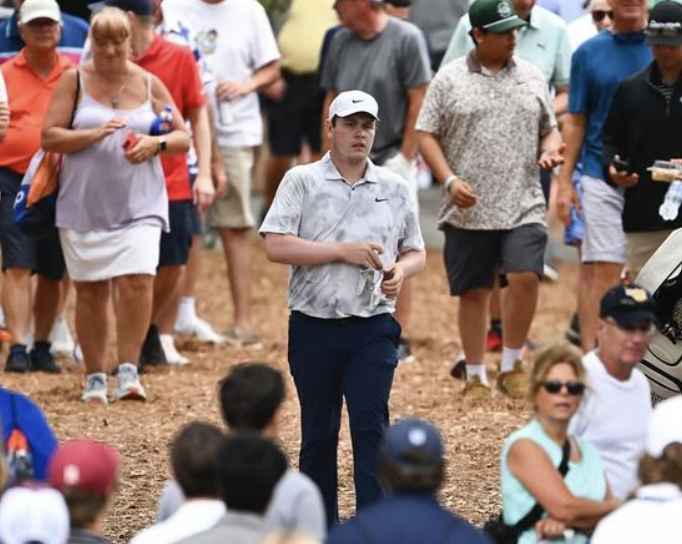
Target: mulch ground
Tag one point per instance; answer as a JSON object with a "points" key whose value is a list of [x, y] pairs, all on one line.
{"points": [[142, 431]]}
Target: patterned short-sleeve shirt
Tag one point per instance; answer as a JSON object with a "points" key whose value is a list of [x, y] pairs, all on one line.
{"points": [[315, 202], [490, 127]]}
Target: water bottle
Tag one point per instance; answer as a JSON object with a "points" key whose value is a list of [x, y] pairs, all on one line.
{"points": [[163, 122], [671, 205]]}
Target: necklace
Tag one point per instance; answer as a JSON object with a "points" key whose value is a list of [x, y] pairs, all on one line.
{"points": [[115, 98]]}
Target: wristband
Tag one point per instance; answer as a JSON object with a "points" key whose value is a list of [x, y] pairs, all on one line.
{"points": [[447, 184]]}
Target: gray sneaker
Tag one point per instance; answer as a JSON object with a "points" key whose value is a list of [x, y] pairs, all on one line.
{"points": [[95, 388], [128, 385]]}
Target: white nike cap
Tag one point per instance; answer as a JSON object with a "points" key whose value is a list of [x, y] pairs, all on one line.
{"points": [[350, 102]]}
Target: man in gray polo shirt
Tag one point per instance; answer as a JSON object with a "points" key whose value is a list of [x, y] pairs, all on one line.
{"points": [[486, 119], [351, 233]]}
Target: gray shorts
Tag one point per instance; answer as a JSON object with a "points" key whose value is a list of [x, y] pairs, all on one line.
{"points": [[474, 257], [604, 240]]}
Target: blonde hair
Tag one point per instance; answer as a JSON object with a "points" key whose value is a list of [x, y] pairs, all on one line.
{"points": [[110, 22], [552, 356], [666, 468], [289, 537]]}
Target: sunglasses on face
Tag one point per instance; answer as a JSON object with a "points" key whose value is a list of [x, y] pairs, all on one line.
{"points": [[574, 388], [598, 15]]}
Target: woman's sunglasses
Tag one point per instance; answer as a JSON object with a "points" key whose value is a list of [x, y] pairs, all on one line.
{"points": [[554, 386], [598, 15]]}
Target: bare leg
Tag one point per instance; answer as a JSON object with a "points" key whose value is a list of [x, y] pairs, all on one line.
{"points": [[473, 307], [518, 307], [92, 322], [596, 279], [192, 268], [133, 314], [496, 302], [238, 258], [46, 304], [16, 300], [167, 293]]}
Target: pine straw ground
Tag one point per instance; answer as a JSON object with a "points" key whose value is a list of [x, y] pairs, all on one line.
{"points": [[142, 432]]}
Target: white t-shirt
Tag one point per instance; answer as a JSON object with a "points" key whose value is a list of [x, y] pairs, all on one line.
{"points": [[235, 39], [193, 517], [3, 89], [652, 516], [580, 30], [614, 416]]}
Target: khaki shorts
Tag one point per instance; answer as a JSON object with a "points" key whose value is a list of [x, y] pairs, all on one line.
{"points": [[641, 246], [233, 210]]}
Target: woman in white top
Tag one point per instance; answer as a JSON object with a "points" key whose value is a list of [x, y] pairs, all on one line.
{"points": [[112, 202], [4, 109]]}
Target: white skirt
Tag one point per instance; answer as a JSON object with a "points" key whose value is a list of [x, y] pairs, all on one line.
{"points": [[105, 254]]}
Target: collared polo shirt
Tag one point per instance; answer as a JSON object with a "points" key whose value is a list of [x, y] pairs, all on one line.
{"points": [[490, 126], [28, 96], [74, 33], [543, 42], [316, 203], [176, 67]]}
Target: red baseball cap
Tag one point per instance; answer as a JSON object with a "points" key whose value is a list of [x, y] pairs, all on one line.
{"points": [[84, 464]]}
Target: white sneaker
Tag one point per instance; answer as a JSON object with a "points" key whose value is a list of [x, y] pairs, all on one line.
{"points": [[173, 356], [128, 386], [95, 388], [201, 330], [62, 341]]}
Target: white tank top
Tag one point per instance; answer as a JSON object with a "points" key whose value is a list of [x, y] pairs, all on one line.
{"points": [[98, 188]]}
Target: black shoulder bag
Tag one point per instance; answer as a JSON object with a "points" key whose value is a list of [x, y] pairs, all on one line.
{"points": [[501, 533]]}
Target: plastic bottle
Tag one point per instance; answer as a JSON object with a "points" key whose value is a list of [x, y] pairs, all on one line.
{"points": [[671, 204], [163, 122]]}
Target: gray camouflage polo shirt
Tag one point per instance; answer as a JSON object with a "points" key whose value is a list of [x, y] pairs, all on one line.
{"points": [[490, 126], [314, 202]]}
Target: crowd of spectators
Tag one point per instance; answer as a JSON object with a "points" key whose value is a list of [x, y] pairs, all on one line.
{"points": [[156, 109]]}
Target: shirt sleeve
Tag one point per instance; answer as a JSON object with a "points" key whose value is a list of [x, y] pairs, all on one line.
{"points": [[265, 48], [195, 96], [41, 438], [429, 116], [284, 216], [415, 66], [460, 43], [562, 65], [3, 89], [577, 98]]}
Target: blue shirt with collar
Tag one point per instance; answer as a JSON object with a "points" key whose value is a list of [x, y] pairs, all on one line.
{"points": [[406, 518], [597, 68], [74, 33]]}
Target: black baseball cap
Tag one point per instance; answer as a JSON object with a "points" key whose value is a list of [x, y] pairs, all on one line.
{"points": [[628, 305], [665, 24], [494, 16]]}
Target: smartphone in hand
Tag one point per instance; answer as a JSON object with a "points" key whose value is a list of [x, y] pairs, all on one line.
{"points": [[620, 165], [130, 140]]}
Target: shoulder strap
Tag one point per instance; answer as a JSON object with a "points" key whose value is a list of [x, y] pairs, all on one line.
{"points": [[75, 100], [532, 517]]}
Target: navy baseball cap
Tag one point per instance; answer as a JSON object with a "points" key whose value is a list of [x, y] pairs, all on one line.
{"points": [[628, 305], [413, 443], [138, 7]]}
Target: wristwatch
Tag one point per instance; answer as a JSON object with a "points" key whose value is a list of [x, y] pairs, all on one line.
{"points": [[162, 145]]}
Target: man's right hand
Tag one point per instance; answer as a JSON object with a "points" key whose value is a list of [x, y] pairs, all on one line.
{"points": [[462, 194], [566, 197], [363, 254]]}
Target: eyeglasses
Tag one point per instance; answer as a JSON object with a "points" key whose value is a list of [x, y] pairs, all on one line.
{"points": [[574, 388], [598, 15]]}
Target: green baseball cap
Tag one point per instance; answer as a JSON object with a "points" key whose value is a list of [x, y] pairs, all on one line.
{"points": [[494, 16]]}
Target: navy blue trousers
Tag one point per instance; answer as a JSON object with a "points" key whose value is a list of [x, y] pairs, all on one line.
{"points": [[333, 359]]}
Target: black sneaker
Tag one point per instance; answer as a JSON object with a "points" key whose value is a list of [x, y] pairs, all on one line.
{"points": [[405, 351], [17, 360], [573, 332], [42, 359], [152, 350]]}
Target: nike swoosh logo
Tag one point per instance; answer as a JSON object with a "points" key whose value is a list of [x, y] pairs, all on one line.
{"points": [[356, 101], [380, 199]]}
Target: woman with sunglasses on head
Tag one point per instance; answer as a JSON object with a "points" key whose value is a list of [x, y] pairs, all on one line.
{"points": [[572, 503]]}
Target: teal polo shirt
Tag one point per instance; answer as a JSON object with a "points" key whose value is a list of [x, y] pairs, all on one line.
{"points": [[543, 42]]}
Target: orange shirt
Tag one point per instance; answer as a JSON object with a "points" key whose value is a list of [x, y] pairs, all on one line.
{"points": [[28, 96]]}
